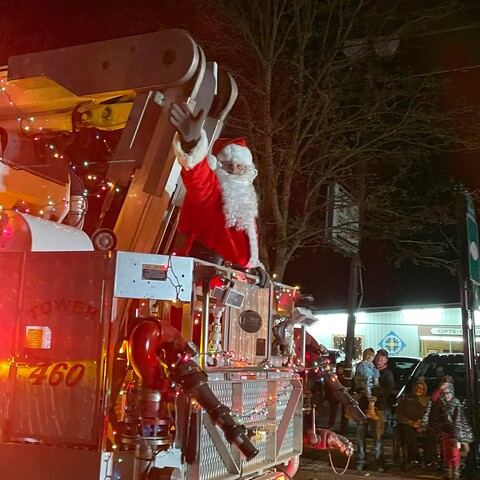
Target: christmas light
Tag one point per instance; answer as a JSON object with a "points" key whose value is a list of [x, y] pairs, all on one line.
{"points": [[98, 185], [262, 409]]}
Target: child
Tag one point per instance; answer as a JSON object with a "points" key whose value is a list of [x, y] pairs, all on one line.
{"points": [[454, 430], [366, 377], [431, 423]]}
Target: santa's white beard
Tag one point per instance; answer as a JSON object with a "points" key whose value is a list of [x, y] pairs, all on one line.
{"points": [[240, 204]]}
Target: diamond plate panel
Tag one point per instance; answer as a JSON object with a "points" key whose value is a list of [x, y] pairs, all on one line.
{"points": [[260, 404]]}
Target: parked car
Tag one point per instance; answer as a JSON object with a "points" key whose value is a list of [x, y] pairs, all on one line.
{"points": [[436, 365], [402, 368]]}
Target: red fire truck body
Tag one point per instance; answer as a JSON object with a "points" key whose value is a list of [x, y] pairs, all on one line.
{"points": [[128, 364]]}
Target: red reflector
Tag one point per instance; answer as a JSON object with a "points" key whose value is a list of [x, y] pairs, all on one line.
{"points": [[7, 232], [4, 218]]}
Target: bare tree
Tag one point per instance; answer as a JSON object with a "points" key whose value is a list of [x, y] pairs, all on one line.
{"points": [[323, 99]]}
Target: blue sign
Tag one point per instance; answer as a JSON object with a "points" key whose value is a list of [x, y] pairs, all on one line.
{"points": [[392, 343]]}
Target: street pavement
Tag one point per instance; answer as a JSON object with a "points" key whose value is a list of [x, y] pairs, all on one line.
{"points": [[315, 465]]}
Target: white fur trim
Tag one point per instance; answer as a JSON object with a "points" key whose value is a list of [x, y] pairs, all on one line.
{"points": [[253, 241], [236, 154], [192, 159], [212, 161]]}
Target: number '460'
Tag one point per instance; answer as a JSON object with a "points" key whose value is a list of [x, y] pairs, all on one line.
{"points": [[57, 373]]}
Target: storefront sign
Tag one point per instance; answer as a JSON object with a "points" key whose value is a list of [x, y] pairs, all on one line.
{"points": [[446, 330]]}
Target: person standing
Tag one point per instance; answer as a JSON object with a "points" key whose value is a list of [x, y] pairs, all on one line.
{"points": [[313, 392], [332, 397], [410, 410], [454, 430], [377, 427]]}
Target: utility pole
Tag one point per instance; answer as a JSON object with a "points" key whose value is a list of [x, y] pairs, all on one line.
{"points": [[353, 305], [343, 225]]}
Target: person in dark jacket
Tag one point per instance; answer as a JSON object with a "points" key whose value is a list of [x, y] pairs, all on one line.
{"points": [[377, 427], [410, 410]]}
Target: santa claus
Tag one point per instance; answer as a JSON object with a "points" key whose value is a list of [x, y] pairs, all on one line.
{"points": [[220, 206]]}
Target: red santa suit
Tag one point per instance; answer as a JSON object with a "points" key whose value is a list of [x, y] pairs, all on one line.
{"points": [[208, 214]]}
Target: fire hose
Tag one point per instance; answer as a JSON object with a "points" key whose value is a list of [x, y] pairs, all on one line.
{"points": [[324, 439], [155, 341]]}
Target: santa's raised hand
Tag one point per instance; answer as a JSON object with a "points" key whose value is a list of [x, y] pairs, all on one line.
{"points": [[189, 126]]}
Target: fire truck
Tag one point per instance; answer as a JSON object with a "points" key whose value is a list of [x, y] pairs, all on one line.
{"points": [[118, 360]]}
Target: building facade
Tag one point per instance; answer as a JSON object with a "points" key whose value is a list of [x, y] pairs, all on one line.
{"points": [[410, 332]]}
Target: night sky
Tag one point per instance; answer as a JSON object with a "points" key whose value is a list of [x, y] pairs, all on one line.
{"points": [[326, 276], [29, 26]]}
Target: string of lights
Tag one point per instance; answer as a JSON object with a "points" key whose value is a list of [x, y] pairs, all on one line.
{"points": [[96, 183], [261, 410], [177, 286]]}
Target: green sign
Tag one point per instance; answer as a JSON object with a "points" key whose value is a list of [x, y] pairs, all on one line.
{"points": [[473, 243]]}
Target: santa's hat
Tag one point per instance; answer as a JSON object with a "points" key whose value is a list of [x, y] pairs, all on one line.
{"points": [[232, 150]]}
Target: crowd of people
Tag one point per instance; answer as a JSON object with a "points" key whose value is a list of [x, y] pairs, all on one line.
{"points": [[439, 418]]}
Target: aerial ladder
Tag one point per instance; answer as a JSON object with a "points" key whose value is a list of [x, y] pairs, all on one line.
{"points": [[118, 360]]}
